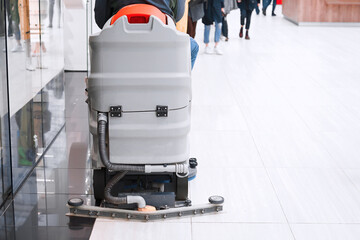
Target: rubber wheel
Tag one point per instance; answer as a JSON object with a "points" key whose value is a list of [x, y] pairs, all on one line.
{"points": [[216, 200], [75, 202], [99, 183]]}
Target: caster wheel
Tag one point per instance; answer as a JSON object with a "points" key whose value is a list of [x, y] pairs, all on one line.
{"points": [[75, 202], [216, 200]]}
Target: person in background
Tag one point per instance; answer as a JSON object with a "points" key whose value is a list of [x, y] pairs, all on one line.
{"points": [[15, 25], [228, 6], [266, 3], [51, 12], [214, 10], [105, 9], [224, 27], [246, 9], [196, 12]]}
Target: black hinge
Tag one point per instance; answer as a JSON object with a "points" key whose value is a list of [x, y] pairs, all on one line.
{"points": [[161, 111], [115, 111]]}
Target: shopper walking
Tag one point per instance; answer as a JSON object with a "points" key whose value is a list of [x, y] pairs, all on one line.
{"points": [[266, 3], [246, 9], [214, 10], [229, 5]]}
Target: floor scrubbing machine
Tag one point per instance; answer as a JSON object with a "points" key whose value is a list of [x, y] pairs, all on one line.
{"points": [[139, 98]]}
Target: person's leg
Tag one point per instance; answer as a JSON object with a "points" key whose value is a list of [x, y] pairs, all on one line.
{"points": [[206, 39], [16, 29], [206, 35], [59, 12], [266, 3], [242, 16], [194, 51], [273, 8], [248, 19], [10, 27], [248, 22], [257, 9], [242, 20], [217, 38], [217, 33], [51, 12]]}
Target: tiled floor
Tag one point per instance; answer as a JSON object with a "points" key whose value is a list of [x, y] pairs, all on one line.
{"points": [[275, 128]]}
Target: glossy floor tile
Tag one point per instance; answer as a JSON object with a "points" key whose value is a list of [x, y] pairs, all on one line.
{"points": [[227, 148], [326, 231], [229, 231], [299, 150], [140, 230], [343, 147], [316, 195], [248, 194]]}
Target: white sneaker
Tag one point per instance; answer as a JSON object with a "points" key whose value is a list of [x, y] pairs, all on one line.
{"points": [[17, 48], [208, 50], [29, 65], [218, 51]]}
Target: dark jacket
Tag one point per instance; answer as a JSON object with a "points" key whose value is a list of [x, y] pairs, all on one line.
{"points": [[105, 9], [196, 12], [248, 4], [212, 9]]}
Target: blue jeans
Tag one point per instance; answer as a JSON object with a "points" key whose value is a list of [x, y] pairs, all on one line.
{"points": [[257, 9], [266, 3], [217, 32], [194, 51]]}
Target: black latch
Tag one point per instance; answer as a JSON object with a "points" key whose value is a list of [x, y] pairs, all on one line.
{"points": [[161, 111], [115, 111], [193, 162]]}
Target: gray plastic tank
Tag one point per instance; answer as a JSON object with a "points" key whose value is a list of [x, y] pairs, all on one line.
{"points": [[138, 67]]}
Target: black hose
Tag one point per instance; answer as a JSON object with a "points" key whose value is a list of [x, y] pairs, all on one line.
{"points": [[110, 198], [104, 157]]}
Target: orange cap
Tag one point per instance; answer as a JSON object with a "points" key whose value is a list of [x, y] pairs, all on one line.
{"points": [[139, 13]]}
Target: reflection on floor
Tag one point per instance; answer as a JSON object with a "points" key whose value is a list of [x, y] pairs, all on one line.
{"points": [[38, 210], [275, 128]]}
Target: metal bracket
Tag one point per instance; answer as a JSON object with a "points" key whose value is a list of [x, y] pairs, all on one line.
{"points": [[115, 111], [161, 111]]}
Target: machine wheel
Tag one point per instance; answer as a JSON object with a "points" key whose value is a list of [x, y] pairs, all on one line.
{"points": [[181, 188], [75, 202], [99, 183], [216, 200]]}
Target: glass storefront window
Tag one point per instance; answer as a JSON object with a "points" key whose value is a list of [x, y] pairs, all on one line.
{"points": [[5, 167], [35, 76]]}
